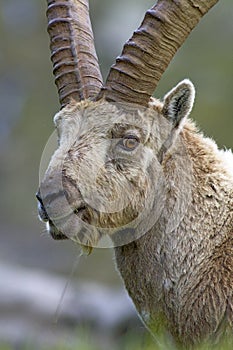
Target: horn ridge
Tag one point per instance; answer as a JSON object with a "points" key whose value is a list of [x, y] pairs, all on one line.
{"points": [[148, 53], [75, 63]]}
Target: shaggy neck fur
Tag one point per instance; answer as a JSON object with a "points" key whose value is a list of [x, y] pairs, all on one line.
{"points": [[183, 274]]}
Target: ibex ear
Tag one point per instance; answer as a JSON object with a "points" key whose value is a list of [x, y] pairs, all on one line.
{"points": [[177, 106], [178, 102]]}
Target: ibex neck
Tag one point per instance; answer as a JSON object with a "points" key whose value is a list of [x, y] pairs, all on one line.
{"points": [[196, 219]]}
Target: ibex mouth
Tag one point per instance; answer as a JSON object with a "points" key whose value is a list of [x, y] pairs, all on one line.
{"points": [[58, 227], [54, 229], [54, 232]]}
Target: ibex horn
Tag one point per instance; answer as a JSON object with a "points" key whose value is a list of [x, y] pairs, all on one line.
{"points": [[145, 57], [75, 64]]}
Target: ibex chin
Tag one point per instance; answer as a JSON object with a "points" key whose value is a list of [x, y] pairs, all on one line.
{"points": [[138, 171]]}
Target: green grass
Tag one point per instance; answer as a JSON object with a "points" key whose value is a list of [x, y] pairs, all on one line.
{"points": [[5, 347], [130, 341], [129, 346]]}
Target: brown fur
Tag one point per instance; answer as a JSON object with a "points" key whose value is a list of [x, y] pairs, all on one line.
{"points": [[179, 272], [186, 276]]}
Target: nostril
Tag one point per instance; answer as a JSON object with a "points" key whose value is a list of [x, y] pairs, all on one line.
{"points": [[42, 212], [38, 197]]}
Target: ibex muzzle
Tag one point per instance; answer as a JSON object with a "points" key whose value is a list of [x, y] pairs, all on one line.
{"points": [[138, 171], [58, 200]]}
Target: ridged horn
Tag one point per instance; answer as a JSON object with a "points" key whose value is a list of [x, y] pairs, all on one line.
{"points": [[75, 64], [145, 57]]}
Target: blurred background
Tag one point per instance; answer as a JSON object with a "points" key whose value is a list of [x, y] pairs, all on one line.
{"points": [[49, 296]]}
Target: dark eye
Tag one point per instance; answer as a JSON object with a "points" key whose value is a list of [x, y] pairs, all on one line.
{"points": [[130, 142]]}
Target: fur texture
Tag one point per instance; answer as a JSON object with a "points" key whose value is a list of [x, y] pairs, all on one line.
{"points": [[116, 162]]}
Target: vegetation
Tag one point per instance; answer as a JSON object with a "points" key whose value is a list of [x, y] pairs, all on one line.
{"points": [[128, 342]]}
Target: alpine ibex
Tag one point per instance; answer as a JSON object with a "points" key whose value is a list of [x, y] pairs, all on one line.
{"points": [[138, 171]]}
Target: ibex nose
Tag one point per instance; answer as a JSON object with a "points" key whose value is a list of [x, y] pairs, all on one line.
{"points": [[58, 197], [41, 209], [49, 187], [38, 197]]}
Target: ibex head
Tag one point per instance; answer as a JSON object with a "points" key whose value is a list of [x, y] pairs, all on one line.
{"points": [[112, 137], [106, 174]]}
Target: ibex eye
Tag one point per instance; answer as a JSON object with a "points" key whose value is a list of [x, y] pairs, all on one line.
{"points": [[130, 142]]}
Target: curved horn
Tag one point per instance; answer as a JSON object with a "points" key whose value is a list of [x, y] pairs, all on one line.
{"points": [[145, 57], [75, 64]]}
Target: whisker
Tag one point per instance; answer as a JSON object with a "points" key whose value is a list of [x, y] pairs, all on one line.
{"points": [[44, 232]]}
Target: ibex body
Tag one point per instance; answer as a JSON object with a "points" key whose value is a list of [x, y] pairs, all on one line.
{"points": [[181, 269], [143, 175]]}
